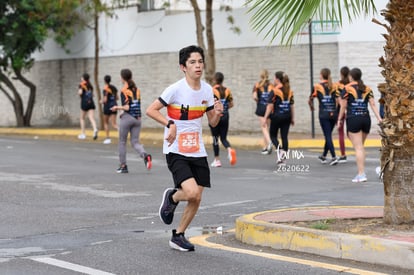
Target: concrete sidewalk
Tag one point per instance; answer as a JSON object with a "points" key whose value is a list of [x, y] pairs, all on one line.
{"points": [[154, 137], [271, 229]]}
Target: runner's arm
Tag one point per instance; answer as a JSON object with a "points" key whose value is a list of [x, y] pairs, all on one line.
{"points": [[269, 110], [153, 111], [122, 107], [215, 113], [374, 109], [344, 104]]}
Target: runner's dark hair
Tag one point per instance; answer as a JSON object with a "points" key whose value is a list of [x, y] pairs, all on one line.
{"points": [[326, 75], [344, 75], [85, 77], [107, 79], [126, 75], [356, 75], [219, 78], [284, 79], [186, 52]]}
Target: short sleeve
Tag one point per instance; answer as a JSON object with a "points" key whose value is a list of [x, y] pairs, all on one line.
{"points": [[254, 88], [271, 97], [229, 96], [168, 96], [315, 91], [124, 99], [344, 94], [370, 93], [210, 98]]}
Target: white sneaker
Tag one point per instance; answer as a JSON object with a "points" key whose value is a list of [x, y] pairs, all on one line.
{"points": [[81, 136], [334, 161], [379, 172], [216, 163], [267, 150], [107, 141], [360, 178]]}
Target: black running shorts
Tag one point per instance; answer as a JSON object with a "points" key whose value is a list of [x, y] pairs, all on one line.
{"points": [[261, 109], [108, 112], [183, 168], [85, 106], [358, 123]]}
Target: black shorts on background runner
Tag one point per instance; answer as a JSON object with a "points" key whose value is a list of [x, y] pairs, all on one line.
{"points": [[360, 123]]}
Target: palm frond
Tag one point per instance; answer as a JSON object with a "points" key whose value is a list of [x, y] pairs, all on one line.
{"points": [[286, 18]]}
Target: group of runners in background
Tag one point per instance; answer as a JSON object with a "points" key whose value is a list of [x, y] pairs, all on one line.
{"points": [[340, 103], [130, 118]]}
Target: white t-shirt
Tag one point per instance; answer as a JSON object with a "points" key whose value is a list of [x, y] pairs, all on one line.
{"points": [[186, 107]]}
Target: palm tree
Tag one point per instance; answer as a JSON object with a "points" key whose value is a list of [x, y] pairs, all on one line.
{"points": [[287, 17]]}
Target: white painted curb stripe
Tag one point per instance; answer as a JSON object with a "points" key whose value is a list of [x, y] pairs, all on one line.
{"points": [[70, 266]]}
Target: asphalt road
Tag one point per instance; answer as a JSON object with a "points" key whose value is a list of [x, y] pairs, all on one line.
{"points": [[64, 210]]}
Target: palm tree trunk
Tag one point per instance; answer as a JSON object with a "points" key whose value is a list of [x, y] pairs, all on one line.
{"points": [[397, 157]]}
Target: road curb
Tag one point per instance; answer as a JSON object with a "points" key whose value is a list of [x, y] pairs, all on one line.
{"points": [[331, 244]]}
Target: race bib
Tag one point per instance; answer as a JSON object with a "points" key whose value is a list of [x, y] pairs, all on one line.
{"points": [[189, 142]]}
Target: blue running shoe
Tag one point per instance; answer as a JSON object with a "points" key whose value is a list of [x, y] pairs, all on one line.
{"points": [[167, 207], [179, 242]]}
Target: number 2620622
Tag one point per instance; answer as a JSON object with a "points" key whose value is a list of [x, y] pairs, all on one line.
{"points": [[299, 168]]}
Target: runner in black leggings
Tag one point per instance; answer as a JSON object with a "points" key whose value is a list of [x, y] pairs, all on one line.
{"points": [[327, 94], [224, 95], [281, 112]]}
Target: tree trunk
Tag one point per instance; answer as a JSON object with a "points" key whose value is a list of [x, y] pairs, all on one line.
{"points": [[210, 64], [16, 99], [96, 68], [199, 24], [31, 100], [397, 156], [211, 59]]}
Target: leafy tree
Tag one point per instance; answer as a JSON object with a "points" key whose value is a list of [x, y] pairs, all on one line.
{"points": [[24, 27], [287, 17]]}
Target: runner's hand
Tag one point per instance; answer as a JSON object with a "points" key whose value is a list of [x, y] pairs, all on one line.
{"points": [[218, 107], [171, 135]]}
